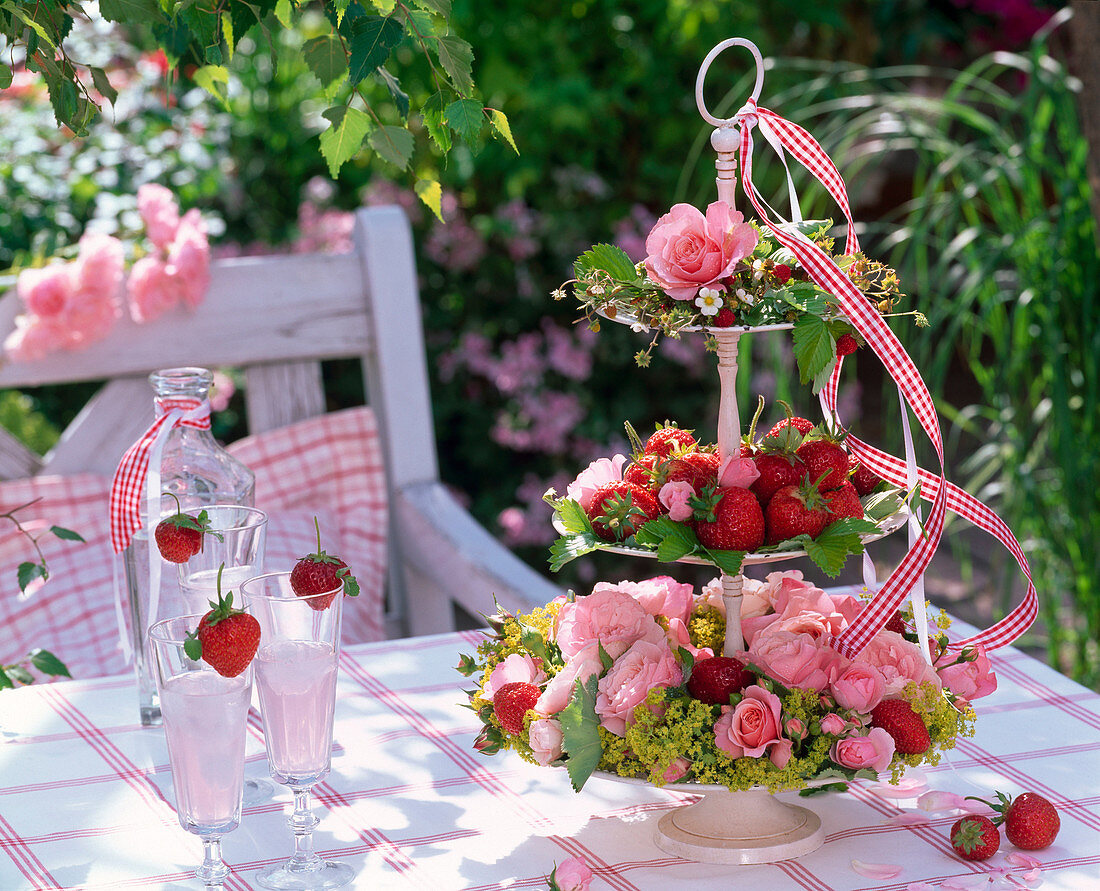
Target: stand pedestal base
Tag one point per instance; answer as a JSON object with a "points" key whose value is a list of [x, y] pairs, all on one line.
{"points": [[739, 827]]}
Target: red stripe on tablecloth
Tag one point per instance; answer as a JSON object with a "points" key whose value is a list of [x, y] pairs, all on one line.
{"points": [[1049, 696], [24, 858], [796, 872], [127, 771]]}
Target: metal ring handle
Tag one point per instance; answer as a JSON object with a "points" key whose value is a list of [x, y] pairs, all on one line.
{"points": [[726, 44]]}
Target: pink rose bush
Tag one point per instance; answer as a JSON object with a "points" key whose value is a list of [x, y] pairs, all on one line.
{"points": [[72, 304], [625, 680]]}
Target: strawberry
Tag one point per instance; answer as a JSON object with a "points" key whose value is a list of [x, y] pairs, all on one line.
{"points": [[975, 838], [698, 468], [643, 472], [511, 703], [619, 509], [826, 462], [226, 638], [668, 439], [179, 537], [729, 519], [843, 502], [896, 717], [777, 469], [795, 510], [863, 478], [782, 272], [802, 425], [725, 318], [715, 679], [320, 572], [846, 345], [1030, 821], [896, 623]]}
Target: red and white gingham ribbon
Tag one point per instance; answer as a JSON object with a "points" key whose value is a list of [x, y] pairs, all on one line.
{"points": [[866, 319], [133, 470]]}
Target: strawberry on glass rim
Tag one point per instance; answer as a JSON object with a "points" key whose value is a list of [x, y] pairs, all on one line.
{"points": [[319, 573], [226, 638], [180, 536]]}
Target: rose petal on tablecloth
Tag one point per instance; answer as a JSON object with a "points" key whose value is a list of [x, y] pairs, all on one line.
{"points": [[965, 883], [907, 787], [1018, 858], [909, 818], [920, 886], [876, 870]]}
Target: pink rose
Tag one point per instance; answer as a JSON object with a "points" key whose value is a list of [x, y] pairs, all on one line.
{"points": [[899, 661], [151, 289], [101, 266], [516, 668], [627, 683], [676, 770], [833, 724], [572, 875], [968, 680], [859, 687], [754, 603], [599, 473], [803, 608], [659, 596], [545, 739], [612, 617], [738, 471], [160, 213], [687, 251], [47, 292], [559, 690], [753, 726], [35, 338], [796, 660], [874, 751], [675, 497], [189, 259], [90, 318]]}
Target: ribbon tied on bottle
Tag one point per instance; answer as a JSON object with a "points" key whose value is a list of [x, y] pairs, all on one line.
{"points": [[863, 314], [137, 481]]}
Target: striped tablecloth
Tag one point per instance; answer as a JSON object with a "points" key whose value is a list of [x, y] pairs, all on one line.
{"points": [[411, 805]]}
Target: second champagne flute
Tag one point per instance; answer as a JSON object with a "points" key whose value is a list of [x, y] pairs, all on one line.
{"points": [[296, 670]]}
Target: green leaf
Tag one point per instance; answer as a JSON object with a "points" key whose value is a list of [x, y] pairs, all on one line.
{"points": [[467, 666], [432, 112], [283, 13], [394, 144], [342, 141], [607, 258], [814, 347], [20, 675], [821, 790], [805, 296], [28, 572], [399, 96], [227, 33], [420, 23], [499, 120], [372, 38], [728, 561], [464, 117], [129, 12], [832, 547], [822, 377], [880, 505], [457, 58], [28, 18], [605, 657], [572, 515], [325, 58], [580, 733], [661, 529], [215, 80], [5, 681], [439, 7], [99, 78], [193, 648], [384, 6], [5, 77], [66, 534], [431, 193], [570, 547]]}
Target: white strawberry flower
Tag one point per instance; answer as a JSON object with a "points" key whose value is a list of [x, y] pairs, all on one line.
{"points": [[744, 296], [757, 269], [709, 301]]}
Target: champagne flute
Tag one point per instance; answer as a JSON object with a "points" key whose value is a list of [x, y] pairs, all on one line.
{"points": [[296, 681], [237, 551], [204, 722]]}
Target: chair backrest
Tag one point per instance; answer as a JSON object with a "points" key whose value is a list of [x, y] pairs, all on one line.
{"points": [[277, 318]]}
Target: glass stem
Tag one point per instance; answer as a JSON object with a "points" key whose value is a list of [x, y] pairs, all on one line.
{"points": [[301, 822], [213, 870]]}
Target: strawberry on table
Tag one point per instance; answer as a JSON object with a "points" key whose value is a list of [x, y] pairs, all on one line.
{"points": [[896, 717], [668, 439], [512, 702], [715, 679], [1030, 821], [795, 510], [179, 537], [975, 838], [226, 638], [320, 572], [619, 509], [729, 519]]}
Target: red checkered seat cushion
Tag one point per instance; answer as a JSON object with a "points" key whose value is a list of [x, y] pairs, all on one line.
{"points": [[329, 467]]}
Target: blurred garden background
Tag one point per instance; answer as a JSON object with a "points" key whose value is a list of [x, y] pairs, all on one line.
{"points": [[957, 125]]}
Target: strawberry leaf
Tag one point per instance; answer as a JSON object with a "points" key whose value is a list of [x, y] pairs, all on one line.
{"points": [[193, 648], [570, 547], [6, 683], [657, 532], [880, 505], [814, 346], [28, 572], [572, 516], [728, 561], [605, 657], [609, 259], [351, 584], [832, 547], [581, 733]]}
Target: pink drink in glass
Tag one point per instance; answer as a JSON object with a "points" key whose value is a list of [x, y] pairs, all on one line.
{"points": [[296, 681], [204, 721]]}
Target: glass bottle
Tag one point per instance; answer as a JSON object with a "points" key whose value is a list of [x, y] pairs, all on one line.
{"points": [[199, 472]]}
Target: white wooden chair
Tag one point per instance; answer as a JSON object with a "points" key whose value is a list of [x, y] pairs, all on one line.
{"points": [[277, 318]]}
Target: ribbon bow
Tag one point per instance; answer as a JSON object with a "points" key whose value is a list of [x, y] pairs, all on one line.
{"points": [[865, 318]]}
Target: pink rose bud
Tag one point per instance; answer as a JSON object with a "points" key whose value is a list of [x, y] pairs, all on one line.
{"points": [[795, 728], [833, 725]]}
